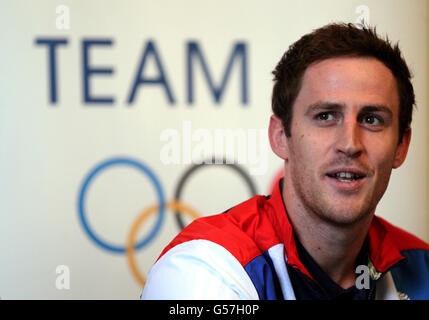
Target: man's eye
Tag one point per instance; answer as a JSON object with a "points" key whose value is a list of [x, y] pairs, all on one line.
{"points": [[372, 119], [325, 116]]}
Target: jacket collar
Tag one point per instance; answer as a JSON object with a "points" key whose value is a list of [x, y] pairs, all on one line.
{"points": [[383, 251]]}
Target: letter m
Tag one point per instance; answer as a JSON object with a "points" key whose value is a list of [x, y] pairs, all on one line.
{"points": [[194, 53]]}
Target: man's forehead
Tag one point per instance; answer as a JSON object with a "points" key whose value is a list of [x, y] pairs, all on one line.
{"points": [[349, 78], [342, 67]]}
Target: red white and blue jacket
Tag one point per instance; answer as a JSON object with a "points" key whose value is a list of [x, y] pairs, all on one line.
{"points": [[244, 254]]}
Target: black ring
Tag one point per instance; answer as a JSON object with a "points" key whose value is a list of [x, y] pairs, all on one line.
{"points": [[195, 167]]}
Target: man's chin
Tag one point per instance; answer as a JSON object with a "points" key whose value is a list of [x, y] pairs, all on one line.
{"points": [[344, 216]]}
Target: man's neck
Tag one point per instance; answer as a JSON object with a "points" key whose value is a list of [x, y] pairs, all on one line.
{"points": [[333, 247]]}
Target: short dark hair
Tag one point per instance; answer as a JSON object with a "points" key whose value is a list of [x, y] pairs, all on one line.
{"points": [[337, 40]]}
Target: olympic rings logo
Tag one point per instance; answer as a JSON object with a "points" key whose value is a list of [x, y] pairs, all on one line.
{"points": [[175, 205]]}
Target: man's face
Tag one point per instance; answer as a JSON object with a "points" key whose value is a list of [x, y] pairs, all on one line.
{"points": [[344, 138]]}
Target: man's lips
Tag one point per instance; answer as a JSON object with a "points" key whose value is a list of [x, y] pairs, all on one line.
{"points": [[347, 178], [347, 173]]}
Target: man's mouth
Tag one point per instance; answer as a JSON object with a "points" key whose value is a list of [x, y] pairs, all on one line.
{"points": [[346, 176]]}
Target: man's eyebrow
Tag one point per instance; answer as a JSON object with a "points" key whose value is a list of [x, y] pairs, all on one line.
{"points": [[324, 106], [334, 106], [376, 108]]}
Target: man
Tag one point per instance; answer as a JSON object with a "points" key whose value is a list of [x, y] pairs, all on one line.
{"points": [[342, 104]]}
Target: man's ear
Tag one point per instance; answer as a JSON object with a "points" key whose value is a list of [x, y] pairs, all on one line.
{"points": [[278, 140], [402, 149]]}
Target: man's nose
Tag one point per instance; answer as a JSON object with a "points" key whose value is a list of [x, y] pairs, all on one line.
{"points": [[349, 139]]}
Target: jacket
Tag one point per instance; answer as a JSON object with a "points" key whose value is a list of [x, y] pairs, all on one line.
{"points": [[243, 253]]}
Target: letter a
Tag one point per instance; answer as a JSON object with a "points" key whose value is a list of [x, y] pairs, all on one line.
{"points": [[63, 20], [161, 79], [63, 279], [362, 281]]}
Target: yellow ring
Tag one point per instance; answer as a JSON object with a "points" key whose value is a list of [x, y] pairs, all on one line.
{"points": [[172, 205]]}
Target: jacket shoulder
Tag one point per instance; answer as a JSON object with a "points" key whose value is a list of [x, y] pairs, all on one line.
{"points": [[403, 239], [238, 230], [198, 269]]}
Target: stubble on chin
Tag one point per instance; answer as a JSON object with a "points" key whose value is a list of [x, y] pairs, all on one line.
{"points": [[322, 205]]}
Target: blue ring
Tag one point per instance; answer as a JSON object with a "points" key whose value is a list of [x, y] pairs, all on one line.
{"points": [[135, 164]]}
